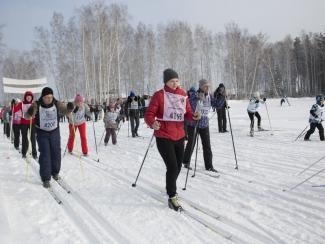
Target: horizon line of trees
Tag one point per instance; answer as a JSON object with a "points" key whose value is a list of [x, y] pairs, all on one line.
{"points": [[99, 54]]}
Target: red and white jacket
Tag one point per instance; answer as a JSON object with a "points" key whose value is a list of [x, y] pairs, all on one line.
{"points": [[172, 130], [24, 106]]}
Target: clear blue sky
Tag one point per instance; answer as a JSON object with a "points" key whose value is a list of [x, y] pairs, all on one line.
{"points": [[276, 18]]}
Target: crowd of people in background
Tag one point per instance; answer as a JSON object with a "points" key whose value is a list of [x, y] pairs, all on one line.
{"points": [[176, 116]]}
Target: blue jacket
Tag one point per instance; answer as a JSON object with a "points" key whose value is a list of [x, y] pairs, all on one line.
{"points": [[204, 107]]}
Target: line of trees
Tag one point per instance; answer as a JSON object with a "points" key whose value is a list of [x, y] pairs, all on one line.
{"points": [[98, 53]]}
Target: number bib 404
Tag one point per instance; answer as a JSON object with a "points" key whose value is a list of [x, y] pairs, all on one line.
{"points": [[174, 107], [48, 119]]}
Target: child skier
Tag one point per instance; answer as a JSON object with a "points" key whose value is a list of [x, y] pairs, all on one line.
{"points": [[77, 120], [316, 118], [111, 120], [252, 111]]}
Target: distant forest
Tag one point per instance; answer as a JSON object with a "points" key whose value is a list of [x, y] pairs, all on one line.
{"points": [[99, 54]]}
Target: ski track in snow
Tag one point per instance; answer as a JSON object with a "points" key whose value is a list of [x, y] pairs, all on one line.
{"points": [[247, 204]]}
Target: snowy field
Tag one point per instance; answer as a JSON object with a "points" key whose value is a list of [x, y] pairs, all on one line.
{"points": [[244, 206]]}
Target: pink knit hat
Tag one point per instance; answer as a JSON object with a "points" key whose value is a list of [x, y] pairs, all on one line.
{"points": [[78, 98]]}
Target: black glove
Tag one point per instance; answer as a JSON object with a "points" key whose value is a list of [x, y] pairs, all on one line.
{"points": [[264, 99], [76, 109], [70, 106]]}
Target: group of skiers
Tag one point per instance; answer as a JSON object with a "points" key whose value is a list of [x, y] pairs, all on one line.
{"points": [[174, 115]]}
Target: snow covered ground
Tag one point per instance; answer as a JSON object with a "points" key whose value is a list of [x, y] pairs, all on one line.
{"points": [[245, 206]]}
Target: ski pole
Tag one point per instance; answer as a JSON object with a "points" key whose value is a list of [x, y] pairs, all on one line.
{"points": [[197, 147], [267, 111], [65, 150], [317, 173], [29, 149], [232, 138], [287, 101], [301, 134], [101, 139], [95, 141], [144, 158], [311, 165], [193, 145]]}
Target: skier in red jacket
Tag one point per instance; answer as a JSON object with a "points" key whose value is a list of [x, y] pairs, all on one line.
{"points": [[165, 115], [27, 124]]}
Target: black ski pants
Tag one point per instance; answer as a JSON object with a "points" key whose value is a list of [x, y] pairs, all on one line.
{"points": [[312, 130], [25, 141], [6, 129], [16, 129], [135, 122], [206, 145], [110, 132], [222, 119], [49, 146], [172, 153], [251, 117]]}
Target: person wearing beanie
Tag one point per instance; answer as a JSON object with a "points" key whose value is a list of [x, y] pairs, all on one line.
{"points": [[169, 74], [46, 112], [220, 104], [316, 118], [16, 122], [111, 121], [252, 110], [133, 112], [77, 120], [200, 101], [27, 126], [6, 118], [166, 112]]}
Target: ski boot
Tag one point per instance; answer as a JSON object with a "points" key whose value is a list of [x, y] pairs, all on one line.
{"points": [[260, 128], [187, 166], [251, 133], [56, 177], [212, 170], [173, 204], [46, 184]]}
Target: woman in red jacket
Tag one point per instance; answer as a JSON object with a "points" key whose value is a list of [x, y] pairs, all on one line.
{"points": [[27, 124], [165, 115]]}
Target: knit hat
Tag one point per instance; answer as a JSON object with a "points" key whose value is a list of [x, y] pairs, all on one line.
{"points": [[203, 82], [221, 85], [28, 93], [169, 74], [46, 91], [192, 89], [111, 105], [132, 94], [78, 98], [257, 95]]}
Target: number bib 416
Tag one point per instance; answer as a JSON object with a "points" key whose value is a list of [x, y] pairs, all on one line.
{"points": [[174, 107], [48, 119]]}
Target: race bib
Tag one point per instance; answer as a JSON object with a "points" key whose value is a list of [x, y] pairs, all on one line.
{"points": [[79, 116], [25, 107], [206, 106], [17, 115], [48, 119], [111, 117], [174, 107], [134, 105]]}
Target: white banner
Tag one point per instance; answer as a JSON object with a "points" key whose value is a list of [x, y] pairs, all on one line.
{"points": [[21, 86]]}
